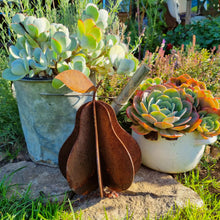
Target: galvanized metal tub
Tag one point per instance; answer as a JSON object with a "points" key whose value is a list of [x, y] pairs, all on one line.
{"points": [[47, 117]]}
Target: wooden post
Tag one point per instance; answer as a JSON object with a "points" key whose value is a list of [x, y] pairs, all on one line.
{"points": [[188, 11], [130, 88]]}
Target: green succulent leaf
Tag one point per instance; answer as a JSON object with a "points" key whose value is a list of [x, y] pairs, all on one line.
{"points": [[37, 66], [89, 25], [18, 28], [92, 11], [31, 73], [43, 36], [154, 95], [23, 53], [136, 105], [102, 21], [28, 48], [8, 75], [20, 44], [18, 67], [56, 46], [42, 24], [62, 66], [28, 20], [172, 93], [89, 42], [154, 107], [139, 130], [163, 125], [80, 29], [125, 66], [32, 30], [168, 133], [144, 107], [182, 121], [188, 106], [159, 116], [112, 40], [57, 84], [166, 112], [116, 54], [87, 71], [65, 55], [96, 33], [14, 51], [149, 118], [62, 39], [181, 113], [171, 120], [18, 18], [31, 41], [178, 103], [73, 44]]}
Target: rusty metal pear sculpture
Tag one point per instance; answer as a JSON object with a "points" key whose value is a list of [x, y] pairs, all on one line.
{"points": [[99, 152]]}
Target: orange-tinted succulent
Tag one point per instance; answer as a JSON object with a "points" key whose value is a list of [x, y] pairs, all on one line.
{"points": [[163, 110], [186, 81], [157, 110]]}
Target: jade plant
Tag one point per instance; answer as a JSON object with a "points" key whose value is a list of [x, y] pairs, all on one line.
{"points": [[44, 50], [171, 109]]}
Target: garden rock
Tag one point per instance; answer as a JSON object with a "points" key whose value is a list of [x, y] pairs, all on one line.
{"points": [[44, 180], [152, 193]]}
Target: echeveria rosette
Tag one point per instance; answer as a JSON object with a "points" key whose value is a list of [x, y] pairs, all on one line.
{"points": [[210, 125], [186, 81], [163, 110], [150, 82]]}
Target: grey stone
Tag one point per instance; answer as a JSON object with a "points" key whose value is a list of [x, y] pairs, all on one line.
{"points": [[43, 179], [152, 193]]}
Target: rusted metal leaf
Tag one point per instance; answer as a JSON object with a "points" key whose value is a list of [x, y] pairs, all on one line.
{"points": [[76, 81]]}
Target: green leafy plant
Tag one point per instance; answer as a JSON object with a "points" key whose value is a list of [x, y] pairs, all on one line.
{"points": [[207, 32], [175, 107], [44, 50], [149, 23]]}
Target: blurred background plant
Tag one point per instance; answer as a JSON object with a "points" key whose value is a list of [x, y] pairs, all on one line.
{"points": [[11, 134], [198, 62], [207, 32], [148, 21]]}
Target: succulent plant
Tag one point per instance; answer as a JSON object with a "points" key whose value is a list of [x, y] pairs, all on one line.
{"points": [[44, 50], [150, 82], [172, 108], [210, 125], [186, 81], [163, 110], [39, 49]]}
